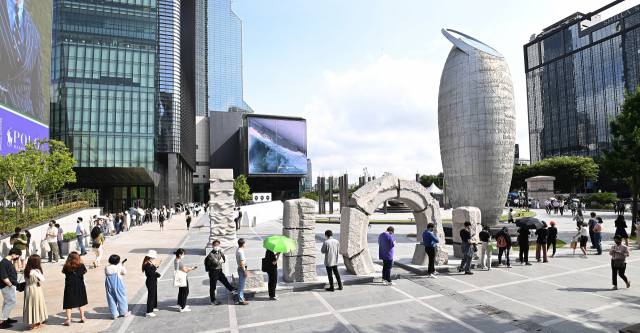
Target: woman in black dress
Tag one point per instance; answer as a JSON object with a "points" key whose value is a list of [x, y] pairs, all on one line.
{"points": [[75, 291], [621, 229], [149, 268], [271, 266]]}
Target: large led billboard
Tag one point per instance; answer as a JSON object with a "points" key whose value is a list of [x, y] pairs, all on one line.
{"points": [[277, 146], [25, 63]]}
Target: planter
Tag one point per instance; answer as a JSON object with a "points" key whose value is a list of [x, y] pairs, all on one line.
{"points": [[70, 246]]}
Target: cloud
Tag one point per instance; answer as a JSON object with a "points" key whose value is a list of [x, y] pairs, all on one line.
{"points": [[383, 117]]}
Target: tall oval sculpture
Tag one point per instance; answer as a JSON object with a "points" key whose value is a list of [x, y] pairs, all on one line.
{"points": [[476, 121]]}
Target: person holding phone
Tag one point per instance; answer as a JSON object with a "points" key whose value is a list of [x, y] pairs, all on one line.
{"points": [[183, 292], [150, 270], [114, 285]]}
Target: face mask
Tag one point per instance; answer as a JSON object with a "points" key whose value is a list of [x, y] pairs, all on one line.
{"points": [[217, 248], [619, 243]]}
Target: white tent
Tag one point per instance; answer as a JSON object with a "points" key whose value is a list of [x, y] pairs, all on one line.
{"points": [[434, 189]]}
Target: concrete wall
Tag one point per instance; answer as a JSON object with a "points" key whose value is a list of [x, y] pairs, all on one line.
{"points": [[262, 212], [67, 223]]}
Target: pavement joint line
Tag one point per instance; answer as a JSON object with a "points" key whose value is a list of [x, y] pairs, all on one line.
{"points": [[438, 311], [335, 313], [364, 307], [284, 320], [583, 272], [256, 234], [233, 320]]}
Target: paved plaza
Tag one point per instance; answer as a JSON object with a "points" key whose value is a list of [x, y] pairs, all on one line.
{"points": [[568, 294]]}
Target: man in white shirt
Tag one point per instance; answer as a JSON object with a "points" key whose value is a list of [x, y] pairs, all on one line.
{"points": [[241, 260], [52, 239], [80, 236]]}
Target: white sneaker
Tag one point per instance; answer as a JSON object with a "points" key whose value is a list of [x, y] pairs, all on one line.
{"points": [[490, 269], [184, 310], [431, 276], [501, 265], [155, 310], [586, 257], [385, 282], [391, 283], [436, 273], [150, 315]]}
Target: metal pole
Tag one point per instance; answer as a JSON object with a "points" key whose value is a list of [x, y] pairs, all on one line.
{"points": [[418, 177], [331, 195], [385, 206], [346, 189]]}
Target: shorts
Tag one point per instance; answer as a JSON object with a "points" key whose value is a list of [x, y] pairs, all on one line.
{"points": [[583, 241], [161, 223], [23, 255]]}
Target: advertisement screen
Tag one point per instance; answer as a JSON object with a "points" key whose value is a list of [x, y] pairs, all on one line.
{"points": [[25, 63], [277, 146]]}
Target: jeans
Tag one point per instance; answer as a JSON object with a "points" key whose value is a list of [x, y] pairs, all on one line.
{"points": [[598, 239], [386, 270], [614, 272], [551, 241], [592, 236], [500, 251], [81, 242], [54, 251], [465, 264], [330, 271], [241, 280], [183, 292], [215, 276], [117, 228], [60, 249], [431, 252], [9, 297]]}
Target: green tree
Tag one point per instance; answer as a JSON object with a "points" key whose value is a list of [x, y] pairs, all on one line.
{"points": [[622, 159], [571, 172], [427, 180], [27, 169], [58, 165], [603, 198], [241, 189]]}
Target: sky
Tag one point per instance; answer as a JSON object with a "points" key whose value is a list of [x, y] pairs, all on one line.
{"points": [[365, 74]]}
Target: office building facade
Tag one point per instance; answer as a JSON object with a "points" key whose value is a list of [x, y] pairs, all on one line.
{"points": [[218, 76], [577, 73], [121, 98]]}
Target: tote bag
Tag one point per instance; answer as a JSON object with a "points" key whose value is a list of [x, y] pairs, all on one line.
{"points": [[492, 246], [179, 279], [45, 246]]}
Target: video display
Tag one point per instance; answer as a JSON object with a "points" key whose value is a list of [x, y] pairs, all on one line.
{"points": [[277, 146], [25, 63]]}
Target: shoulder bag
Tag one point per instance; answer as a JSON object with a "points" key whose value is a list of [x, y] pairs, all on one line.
{"points": [[179, 278], [45, 246], [619, 262], [21, 286]]}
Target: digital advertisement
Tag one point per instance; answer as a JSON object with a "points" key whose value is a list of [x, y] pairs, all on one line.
{"points": [[277, 146]]}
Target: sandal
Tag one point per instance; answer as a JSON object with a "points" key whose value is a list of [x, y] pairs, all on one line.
{"points": [[83, 319], [67, 323]]}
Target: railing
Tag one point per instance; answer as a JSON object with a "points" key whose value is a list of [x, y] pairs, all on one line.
{"points": [[39, 210]]}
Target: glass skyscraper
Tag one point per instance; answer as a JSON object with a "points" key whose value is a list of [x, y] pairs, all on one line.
{"points": [[577, 72], [120, 99]]}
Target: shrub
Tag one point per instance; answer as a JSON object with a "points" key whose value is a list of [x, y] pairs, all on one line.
{"points": [[67, 236], [594, 207]]}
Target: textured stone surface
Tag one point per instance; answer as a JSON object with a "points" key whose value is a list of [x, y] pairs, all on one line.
{"points": [[353, 231], [299, 224], [415, 195], [476, 120], [359, 264], [222, 226], [374, 193], [459, 217], [255, 279], [221, 195]]}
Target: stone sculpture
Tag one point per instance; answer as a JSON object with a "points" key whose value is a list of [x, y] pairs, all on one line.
{"points": [[299, 224], [221, 201], [354, 221], [476, 120], [460, 216]]}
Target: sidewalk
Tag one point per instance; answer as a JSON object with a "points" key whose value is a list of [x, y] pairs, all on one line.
{"points": [[132, 245]]}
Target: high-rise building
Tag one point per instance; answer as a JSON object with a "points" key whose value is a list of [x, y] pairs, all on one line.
{"points": [[122, 97], [218, 76], [577, 72], [309, 181]]}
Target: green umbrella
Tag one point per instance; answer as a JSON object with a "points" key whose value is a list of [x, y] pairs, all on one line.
{"points": [[279, 244]]}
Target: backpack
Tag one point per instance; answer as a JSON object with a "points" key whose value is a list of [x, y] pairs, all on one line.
{"points": [[501, 242]]}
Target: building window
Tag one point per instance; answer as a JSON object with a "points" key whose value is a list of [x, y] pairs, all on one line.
{"points": [[196, 146], [195, 176]]}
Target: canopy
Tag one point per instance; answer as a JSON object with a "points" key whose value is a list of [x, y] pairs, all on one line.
{"points": [[434, 189]]}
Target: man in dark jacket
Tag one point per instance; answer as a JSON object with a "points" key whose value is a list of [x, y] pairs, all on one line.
{"points": [[213, 264]]}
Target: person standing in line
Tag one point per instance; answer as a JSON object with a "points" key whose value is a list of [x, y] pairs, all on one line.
{"points": [[579, 218], [34, 308], [236, 217], [52, 239], [127, 220], [115, 288], [330, 249], [510, 220], [213, 265], [523, 242], [485, 238], [503, 241], [597, 232], [619, 252], [467, 249], [75, 291], [161, 220], [584, 237], [188, 216], [110, 227], [429, 240], [80, 236], [60, 239], [562, 208], [150, 271], [183, 292], [28, 241], [97, 246], [592, 223], [272, 271], [8, 283], [615, 208], [19, 241], [241, 260], [584, 207], [621, 229], [386, 243], [552, 238], [116, 223], [541, 242]]}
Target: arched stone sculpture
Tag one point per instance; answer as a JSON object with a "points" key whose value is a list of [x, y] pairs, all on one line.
{"points": [[355, 220]]}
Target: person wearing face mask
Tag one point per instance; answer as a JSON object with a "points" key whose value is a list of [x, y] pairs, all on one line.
{"points": [[183, 292], [619, 254], [8, 283], [213, 265]]}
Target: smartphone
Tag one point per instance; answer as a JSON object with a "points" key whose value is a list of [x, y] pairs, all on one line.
{"points": [[195, 267], [124, 261]]}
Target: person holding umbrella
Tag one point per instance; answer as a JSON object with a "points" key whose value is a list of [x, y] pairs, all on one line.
{"points": [[275, 245], [523, 242]]}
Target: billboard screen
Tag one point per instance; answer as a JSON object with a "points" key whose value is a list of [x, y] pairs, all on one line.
{"points": [[25, 63], [277, 146]]}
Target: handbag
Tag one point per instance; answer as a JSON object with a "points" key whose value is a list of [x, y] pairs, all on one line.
{"points": [[492, 246], [475, 247], [45, 246], [619, 262], [21, 286], [179, 278], [265, 265]]}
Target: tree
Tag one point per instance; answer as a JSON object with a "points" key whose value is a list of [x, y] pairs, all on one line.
{"points": [[27, 168], [623, 158], [427, 180], [603, 198], [571, 172], [58, 167], [241, 189]]}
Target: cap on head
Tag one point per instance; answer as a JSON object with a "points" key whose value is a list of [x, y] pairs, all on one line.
{"points": [[552, 223], [152, 254]]}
